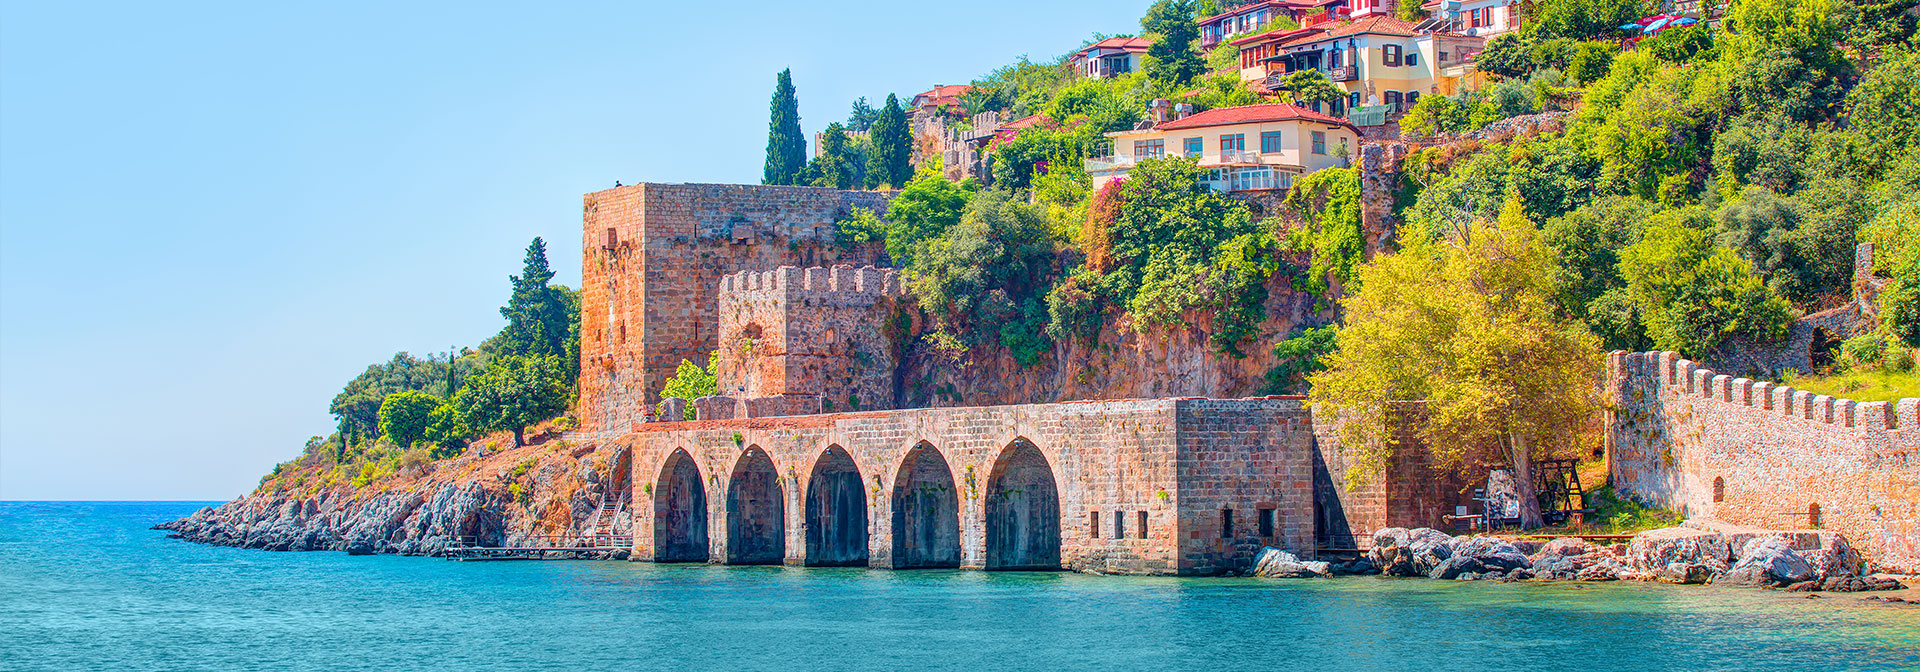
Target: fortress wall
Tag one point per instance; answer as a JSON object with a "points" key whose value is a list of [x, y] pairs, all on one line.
{"points": [[816, 331], [1178, 461], [1747, 452], [653, 256]]}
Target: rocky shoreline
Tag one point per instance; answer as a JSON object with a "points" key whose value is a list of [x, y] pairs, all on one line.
{"points": [[1800, 561]]}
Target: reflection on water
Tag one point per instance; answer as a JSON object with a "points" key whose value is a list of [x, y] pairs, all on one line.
{"points": [[88, 586]]}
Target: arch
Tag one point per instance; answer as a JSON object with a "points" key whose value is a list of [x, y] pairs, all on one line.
{"points": [[1813, 515], [1023, 510], [756, 512], [836, 520], [1719, 489], [679, 511], [1821, 351], [926, 511]]}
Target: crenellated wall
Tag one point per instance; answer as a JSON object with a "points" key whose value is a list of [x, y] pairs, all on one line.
{"points": [[1747, 452], [817, 332]]}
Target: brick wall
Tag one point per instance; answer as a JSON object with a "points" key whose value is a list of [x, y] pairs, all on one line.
{"points": [[1178, 461], [817, 332], [1713, 446], [653, 256]]}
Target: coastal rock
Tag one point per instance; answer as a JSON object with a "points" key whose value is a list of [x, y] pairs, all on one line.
{"points": [[1769, 561], [1654, 550], [1361, 566], [361, 547], [1683, 573], [1274, 563], [1562, 547], [1401, 552], [1479, 555]]}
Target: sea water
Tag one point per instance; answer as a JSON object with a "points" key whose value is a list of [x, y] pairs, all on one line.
{"points": [[88, 586]]}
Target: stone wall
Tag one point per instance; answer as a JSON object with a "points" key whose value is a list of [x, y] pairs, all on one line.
{"points": [[1137, 486], [817, 332], [1716, 447], [1810, 334], [652, 259]]}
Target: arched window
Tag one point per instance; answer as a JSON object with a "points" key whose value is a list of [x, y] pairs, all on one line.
{"points": [[1719, 489], [1813, 515]]}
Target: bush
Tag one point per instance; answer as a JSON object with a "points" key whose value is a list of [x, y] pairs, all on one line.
{"points": [[406, 415], [1900, 360], [1863, 351]]}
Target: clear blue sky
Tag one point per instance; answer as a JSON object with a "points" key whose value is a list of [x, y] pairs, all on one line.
{"points": [[212, 215]]}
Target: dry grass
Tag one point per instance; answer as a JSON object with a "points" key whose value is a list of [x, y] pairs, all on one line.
{"points": [[1873, 385]]}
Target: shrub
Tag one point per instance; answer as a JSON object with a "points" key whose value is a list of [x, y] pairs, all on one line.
{"points": [[1863, 351]]}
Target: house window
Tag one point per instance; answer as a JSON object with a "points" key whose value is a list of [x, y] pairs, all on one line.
{"points": [[1353, 99], [1413, 59], [1477, 18], [1244, 179], [1142, 524], [1393, 97], [1226, 523], [1192, 147], [1443, 57], [1333, 58], [1148, 149], [1412, 97], [1338, 107], [1270, 142], [1390, 55], [1093, 524], [1233, 143], [1320, 142], [1266, 522]]}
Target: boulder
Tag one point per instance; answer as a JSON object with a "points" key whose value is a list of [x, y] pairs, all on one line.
{"points": [[1389, 552], [1564, 546], [1430, 548], [1683, 573], [1607, 569], [1360, 566], [1769, 561], [1274, 563], [1479, 555], [1653, 550]]}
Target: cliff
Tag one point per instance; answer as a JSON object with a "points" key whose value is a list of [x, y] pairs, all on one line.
{"points": [[543, 494]]}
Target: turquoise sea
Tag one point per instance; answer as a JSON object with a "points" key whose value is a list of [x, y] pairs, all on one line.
{"points": [[88, 586]]}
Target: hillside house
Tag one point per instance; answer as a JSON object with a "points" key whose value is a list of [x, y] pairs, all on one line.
{"points": [[1377, 60], [1479, 18], [1111, 57], [1247, 148], [941, 99], [1255, 17]]}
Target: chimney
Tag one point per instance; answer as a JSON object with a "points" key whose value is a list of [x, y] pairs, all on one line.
{"points": [[1158, 109]]}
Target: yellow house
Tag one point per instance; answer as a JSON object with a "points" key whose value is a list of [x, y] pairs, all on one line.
{"points": [[1247, 148], [1377, 60]]}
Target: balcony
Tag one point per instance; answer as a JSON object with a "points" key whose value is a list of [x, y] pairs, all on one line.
{"points": [[1105, 164], [1234, 157], [1344, 73]]}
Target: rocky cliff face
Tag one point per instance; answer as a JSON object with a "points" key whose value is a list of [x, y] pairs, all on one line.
{"points": [[543, 494]]}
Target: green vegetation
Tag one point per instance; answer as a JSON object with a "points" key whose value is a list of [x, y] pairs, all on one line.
{"points": [[512, 392], [1613, 514], [691, 382], [786, 145], [890, 148], [406, 415]]}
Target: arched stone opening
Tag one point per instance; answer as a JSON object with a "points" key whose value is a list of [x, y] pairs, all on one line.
{"points": [[1821, 352], [836, 520], [926, 512], [756, 512], [1023, 510], [679, 512], [1719, 489], [1813, 515]]}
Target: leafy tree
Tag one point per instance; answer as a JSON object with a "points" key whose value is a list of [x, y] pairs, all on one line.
{"points": [[1311, 86], [1584, 19], [1590, 61], [1884, 108], [890, 147], [925, 209], [446, 430], [405, 416], [983, 279], [1506, 55], [1459, 344], [861, 119], [786, 145], [691, 382], [1301, 355], [1586, 245], [512, 392], [357, 406], [1679, 45], [1329, 202], [836, 162], [1172, 58], [1693, 294], [1895, 234], [1772, 233]]}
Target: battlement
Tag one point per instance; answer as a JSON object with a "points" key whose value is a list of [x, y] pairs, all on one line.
{"points": [[842, 281], [1656, 372]]}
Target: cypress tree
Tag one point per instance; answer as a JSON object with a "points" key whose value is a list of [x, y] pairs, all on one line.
{"points": [[537, 319], [1171, 24], [890, 147], [786, 146]]}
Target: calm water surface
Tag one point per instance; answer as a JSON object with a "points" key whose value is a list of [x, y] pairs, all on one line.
{"points": [[87, 586]]}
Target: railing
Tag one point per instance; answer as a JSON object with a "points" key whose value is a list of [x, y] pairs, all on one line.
{"points": [[1107, 163], [1344, 73], [1232, 156]]}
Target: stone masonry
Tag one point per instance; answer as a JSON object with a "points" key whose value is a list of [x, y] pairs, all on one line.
{"points": [[1716, 447], [653, 256], [1166, 486], [794, 341]]}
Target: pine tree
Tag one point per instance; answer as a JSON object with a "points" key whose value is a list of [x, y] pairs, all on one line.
{"points": [[786, 146], [1171, 24], [860, 120], [538, 319], [890, 147]]}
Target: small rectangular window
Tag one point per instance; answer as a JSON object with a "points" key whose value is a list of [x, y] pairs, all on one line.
{"points": [[612, 240], [1266, 522], [1390, 55], [1093, 524], [1319, 142], [1270, 142], [1413, 59], [1193, 146], [1236, 142], [1119, 524], [1226, 523], [1143, 524]]}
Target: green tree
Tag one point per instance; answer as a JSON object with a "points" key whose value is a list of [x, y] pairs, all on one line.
{"points": [[691, 382], [1311, 86], [446, 430], [928, 206], [786, 146], [1584, 19], [836, 168], [1458, 342], [541, 318], [357, 406], [512, 392], [1694, 294], [1301, 355], [1884, 108], [1328, 201], [405, 416], [861, 119], [1172, 58], [890, 147], [1506, 55], [983, 279]]}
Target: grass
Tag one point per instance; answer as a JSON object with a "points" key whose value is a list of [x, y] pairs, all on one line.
{"points": [[1870, 385], [1613, 514]]}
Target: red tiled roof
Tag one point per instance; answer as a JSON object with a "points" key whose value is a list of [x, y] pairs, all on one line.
{"points": [[1250, 114], [948, 91], [1296, 4], [1281, 34], [1122, 43], [1030, 121], [1376, 25]]}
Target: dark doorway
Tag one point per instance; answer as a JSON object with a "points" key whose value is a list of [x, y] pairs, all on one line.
{"points": [[1821, 353], [679, 512], [926, 512], [756, 513], [836, 512], [1023, 511]]}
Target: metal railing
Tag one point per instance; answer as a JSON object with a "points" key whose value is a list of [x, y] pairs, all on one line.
{"points": [[1106, 163], [1344, 73]]}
